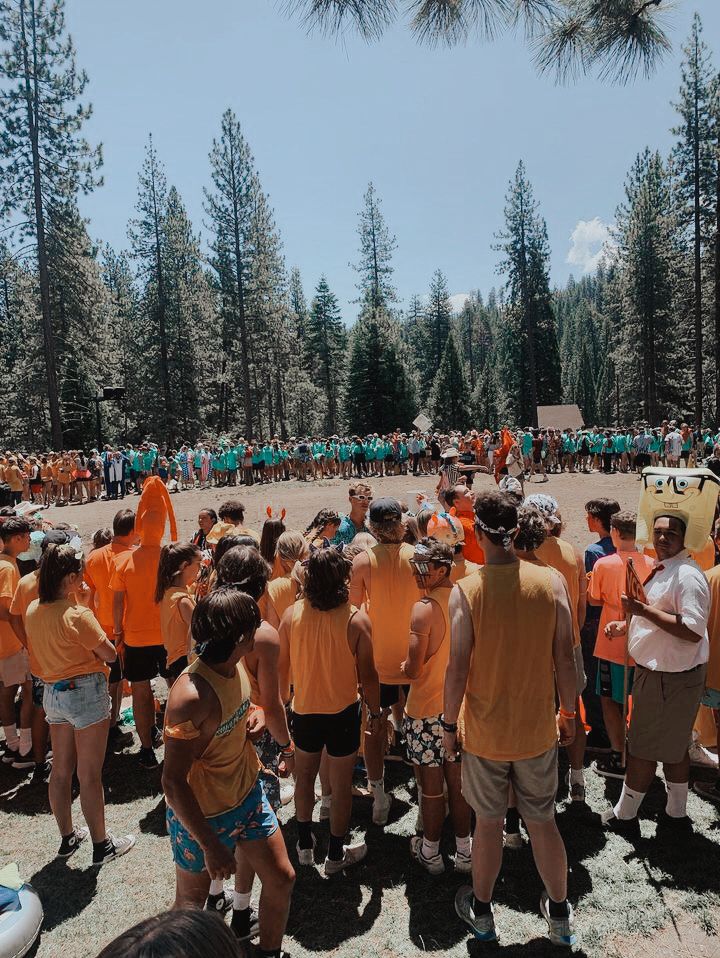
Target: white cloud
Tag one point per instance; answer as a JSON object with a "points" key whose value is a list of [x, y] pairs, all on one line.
{"points": [[590, 242], [458, 300]]}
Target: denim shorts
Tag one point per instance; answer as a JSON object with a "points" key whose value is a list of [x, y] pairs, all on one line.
{"points": [[87, 703], [711, 698], [252, 820]]}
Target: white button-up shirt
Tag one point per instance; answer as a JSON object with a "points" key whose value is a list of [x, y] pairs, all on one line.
{"points": [[678, 587]]}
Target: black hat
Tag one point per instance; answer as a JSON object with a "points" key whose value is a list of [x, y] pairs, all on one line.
{"points": [[385, 510]]}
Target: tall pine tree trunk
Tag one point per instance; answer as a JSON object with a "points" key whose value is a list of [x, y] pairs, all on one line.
{"points": [[240, 292], [280, 402], [697, 250], [32, 102], [528, 320], [161, 314], [717, 263]]}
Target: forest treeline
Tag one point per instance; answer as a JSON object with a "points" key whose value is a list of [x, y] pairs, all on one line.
{"points": [[220, 337]]}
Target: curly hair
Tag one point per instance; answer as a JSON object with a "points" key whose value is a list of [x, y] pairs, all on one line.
{"points": [[327, 579], [532, 531]]}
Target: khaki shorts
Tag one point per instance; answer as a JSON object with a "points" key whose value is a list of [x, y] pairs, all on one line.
{"points": [[664, 707], [580, 677], [15, 669], [485, 785]]}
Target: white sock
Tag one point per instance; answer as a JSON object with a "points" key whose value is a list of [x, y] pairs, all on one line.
{"points": [[25, 740], [430, 849], [677, 794], [11, 737], [325, 801], [241, 900], [463, 845], [629, 803], [378, 785], [394, 722], [216, 886], [577, 776]]}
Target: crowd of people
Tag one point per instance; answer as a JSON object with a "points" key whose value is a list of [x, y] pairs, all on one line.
{"points": [[289, 653], [76, 476]]}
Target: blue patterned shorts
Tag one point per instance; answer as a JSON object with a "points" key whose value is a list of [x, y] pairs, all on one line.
{"points": [[424, 741], [250, 821], [711, 698]]}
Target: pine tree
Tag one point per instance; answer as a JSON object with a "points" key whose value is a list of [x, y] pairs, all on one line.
{"points": [[229, 206], [298, 306], [449, 394], [526, 262], [375, 266], [326, 340], [696, 159], [45, 161]]}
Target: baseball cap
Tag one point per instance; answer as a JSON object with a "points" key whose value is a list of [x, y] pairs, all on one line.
{"points": [[385, 510]]}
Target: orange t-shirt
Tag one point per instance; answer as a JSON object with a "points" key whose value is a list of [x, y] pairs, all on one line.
{"points": [[712, 679], [99, 569], [25, 592], [471, 549], [606, 584], [61, 640], [561, 556], [9, 578], [135, 574]]}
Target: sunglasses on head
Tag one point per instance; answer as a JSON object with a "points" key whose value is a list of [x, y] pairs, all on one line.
{"points": [[361, 498]]}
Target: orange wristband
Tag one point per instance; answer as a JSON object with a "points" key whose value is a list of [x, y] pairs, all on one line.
{"points": [[567, 715]]}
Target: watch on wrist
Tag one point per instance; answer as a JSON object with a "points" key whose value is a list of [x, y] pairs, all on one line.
{"points": [[448, 726]]}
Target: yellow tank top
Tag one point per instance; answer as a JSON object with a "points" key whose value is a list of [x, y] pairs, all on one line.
{"points": [[561, 556], [509, 711], [175, 633], [228, 768], [322, 665], [282, 592], [425, 699], [393, 593]]}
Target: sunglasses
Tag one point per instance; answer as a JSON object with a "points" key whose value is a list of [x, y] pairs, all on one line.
{"points": [[363, 498], [425, 568]]}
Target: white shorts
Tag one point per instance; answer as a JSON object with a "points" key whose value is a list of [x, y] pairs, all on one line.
{"points": [[15, 669]]}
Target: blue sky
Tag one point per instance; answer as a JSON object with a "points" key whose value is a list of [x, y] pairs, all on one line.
{"points": [[439, 132]]}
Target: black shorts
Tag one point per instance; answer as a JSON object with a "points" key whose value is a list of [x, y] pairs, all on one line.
{"points": [[144, 662], [338, 733], [178, 666], [390, 694], [116, 671]]}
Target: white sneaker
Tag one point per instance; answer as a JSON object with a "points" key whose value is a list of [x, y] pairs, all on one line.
{"points": [[561, 931], [381, 807], [119, 847], [324, 814], [435, 864], [463, 862], [353, 855], [699, 756], [306, 856], [287, 791]]}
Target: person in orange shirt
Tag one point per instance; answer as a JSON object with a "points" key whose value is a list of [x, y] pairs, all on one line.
{"points": [[69, 651], [136, 616], [14, 665], [383, 580], [99, 569], [425, 665], [606, 587], [461, 499], [177, 572]]}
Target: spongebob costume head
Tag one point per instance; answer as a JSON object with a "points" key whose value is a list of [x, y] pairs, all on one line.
{"points": [[691, 494]]}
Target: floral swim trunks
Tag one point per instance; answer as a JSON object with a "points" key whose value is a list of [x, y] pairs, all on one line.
{"points": [[251, 820], [424, 741]]}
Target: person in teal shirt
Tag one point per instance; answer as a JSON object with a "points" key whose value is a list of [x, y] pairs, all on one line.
{"points": [[231, 465]]}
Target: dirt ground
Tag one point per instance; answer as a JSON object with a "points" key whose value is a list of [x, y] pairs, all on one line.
{"points": [[651, 899], [303, 500]]}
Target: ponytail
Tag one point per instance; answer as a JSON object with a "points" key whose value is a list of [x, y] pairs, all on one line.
{"points": [[57, 562], [172, 558]]}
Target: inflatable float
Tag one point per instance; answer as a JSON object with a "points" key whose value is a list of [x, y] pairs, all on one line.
{"points": [[21, 916]]}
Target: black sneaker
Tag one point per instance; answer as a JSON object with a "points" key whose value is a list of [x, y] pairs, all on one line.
{"points": [[221, 903], [156, 737], [113, 848], [41, 774], [610, 767], [117, 738], [147, 759], [597, 742], [244, 924], [9, 755], [673, 827], [70, 843], [24, 762], [628, 828]]}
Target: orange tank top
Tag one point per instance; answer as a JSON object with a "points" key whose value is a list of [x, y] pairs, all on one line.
{"points": [[323, 667], [282, 592], [425, 699], [393, 593], [509, 711], [228, 768], [561, 556], [175, 632]]}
